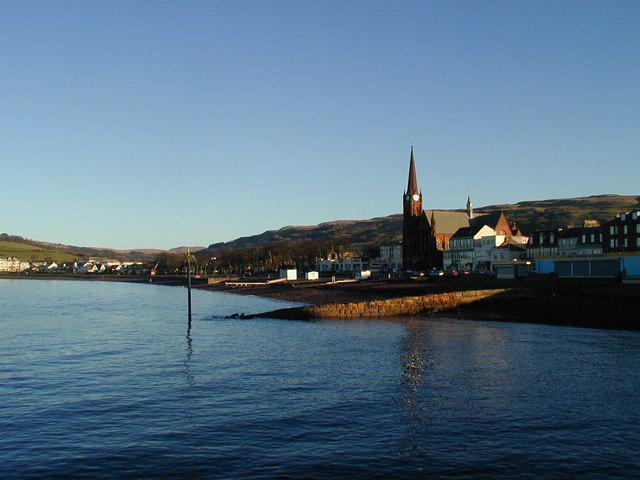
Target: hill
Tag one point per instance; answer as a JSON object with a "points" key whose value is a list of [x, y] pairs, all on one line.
{"points": [[25, 251], [529, 215]]}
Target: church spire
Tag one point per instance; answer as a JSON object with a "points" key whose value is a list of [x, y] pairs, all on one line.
{"points": [[412, 186], [469, 208]]}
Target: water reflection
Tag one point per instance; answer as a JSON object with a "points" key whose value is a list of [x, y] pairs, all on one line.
{"points": [[415, 365], [191, 382]]}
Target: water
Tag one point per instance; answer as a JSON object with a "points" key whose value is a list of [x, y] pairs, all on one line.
{"points": [[105, 380]]}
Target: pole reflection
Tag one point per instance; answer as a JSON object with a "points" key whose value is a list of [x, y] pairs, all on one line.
{"points": [[190, 382], [187, 360]]}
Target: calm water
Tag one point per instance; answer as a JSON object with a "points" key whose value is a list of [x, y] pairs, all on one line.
{"points": [[105, 380]]}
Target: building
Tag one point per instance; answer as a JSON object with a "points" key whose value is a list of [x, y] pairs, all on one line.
{"points": [[340, 265], [622, 234], [461, 254], [543, 243], [508, 251], [580, 241], [607, 265], [289, 273], [425, 233], [13, 264], [391, 256], [313, 275], [362, 275], [470, 247]]}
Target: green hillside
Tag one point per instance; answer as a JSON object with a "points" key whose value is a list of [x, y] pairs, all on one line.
{"points": [[25, 251]]}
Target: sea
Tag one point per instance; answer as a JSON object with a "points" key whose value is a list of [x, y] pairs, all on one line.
{"points": [[111, 380]]}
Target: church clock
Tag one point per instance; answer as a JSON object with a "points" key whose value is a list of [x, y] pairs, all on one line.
{"points": [[416, 197]]}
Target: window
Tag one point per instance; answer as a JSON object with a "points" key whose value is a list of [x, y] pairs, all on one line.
{"points": [[623, 216], [611, 230], [626, 242], [637, 227], [584, 238], [612, 243], [552, 237], [593, 238], [625, 229], [637, 241], [634, 216]]}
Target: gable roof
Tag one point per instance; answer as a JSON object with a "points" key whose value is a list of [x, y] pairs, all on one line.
{"points": [[468, 231], [512, 245], [446, 221]]}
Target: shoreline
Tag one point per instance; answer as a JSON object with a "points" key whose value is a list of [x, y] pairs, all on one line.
{"points": [[603, 304]]}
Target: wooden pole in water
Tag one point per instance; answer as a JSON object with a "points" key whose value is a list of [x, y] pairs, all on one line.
{"points": [[189, 283]]}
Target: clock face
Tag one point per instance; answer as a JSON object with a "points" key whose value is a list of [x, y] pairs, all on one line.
{"points": [[416, 197]]}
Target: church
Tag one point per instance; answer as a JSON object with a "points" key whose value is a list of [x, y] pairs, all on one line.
{"points": [[426, 233]]}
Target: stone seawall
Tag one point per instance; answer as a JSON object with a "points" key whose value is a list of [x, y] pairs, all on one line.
{"points": [[384, 308]]}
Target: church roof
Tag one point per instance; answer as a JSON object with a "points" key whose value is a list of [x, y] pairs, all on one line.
{"points": [[447, 221], [412, 185]]}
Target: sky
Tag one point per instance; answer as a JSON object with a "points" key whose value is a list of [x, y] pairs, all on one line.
{"points": [[159, 124]]}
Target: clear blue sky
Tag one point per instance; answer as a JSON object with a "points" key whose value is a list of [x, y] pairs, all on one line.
{"points": [[157, 124]]}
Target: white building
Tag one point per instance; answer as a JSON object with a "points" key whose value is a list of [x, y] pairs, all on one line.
{"points": [[461, 254], [13, 264], [289, 273], [340, 265], [362, 274], [507, 252], [391, 256], [471, 248], [311, 275], [483, 250]]}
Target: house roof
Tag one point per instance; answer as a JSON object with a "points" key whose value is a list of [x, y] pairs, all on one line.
{"points": [[513, 246], [477, 223], [447, 221], [467, 231], [577, 231]]}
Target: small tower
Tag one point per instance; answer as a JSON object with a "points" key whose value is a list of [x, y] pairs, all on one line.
{"points": [[469, 208]]}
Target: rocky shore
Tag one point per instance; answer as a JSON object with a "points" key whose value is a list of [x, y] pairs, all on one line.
{"points": [[584, 303]]}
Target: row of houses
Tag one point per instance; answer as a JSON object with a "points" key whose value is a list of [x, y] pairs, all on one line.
{"points": [[15, 265], [619, 235], [493, 243], [606, 250]]}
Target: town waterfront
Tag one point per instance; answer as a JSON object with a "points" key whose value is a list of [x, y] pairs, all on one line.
{"points": [[107, 380]]}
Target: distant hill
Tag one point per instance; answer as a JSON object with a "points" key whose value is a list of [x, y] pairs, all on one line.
{"points": [[26, 249], [529, 215]]}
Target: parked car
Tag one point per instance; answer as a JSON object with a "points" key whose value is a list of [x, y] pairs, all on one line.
{"points": [[436, 273], [451, 273]]}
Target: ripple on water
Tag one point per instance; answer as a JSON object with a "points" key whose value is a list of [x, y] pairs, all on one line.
{"points": [[106, 380]]}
